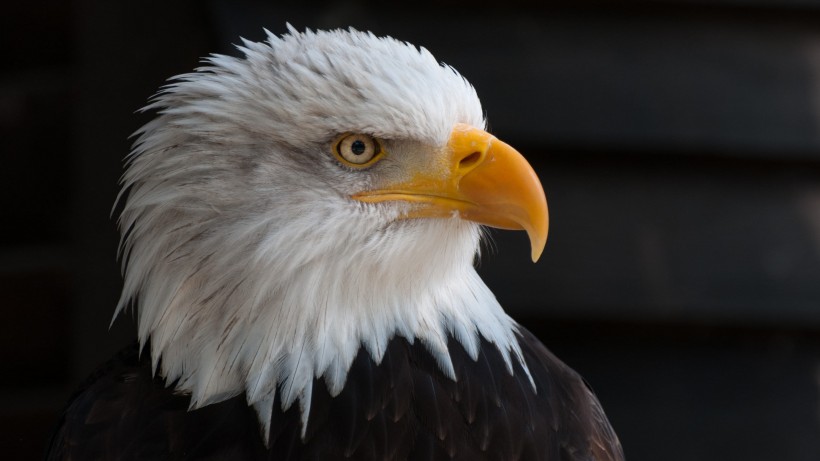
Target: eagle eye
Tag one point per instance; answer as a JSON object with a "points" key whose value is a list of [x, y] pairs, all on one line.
{"points": [[357, 150]]}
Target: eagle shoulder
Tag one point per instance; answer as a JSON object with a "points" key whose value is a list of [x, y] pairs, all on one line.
{"points": [[406, 408], [582, 430], [123, 412]]}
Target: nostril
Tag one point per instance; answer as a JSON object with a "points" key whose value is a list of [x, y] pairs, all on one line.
{"points": [[470, 160]]}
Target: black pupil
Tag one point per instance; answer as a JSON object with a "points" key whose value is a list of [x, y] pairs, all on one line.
{"points": [[358, 147]]}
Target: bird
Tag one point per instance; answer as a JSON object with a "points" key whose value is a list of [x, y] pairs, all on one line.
{"points": [[300, 226]]}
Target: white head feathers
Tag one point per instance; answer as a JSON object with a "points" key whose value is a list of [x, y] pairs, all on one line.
{"points": [[249, 266]]}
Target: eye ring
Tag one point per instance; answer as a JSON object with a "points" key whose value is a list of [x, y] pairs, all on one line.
{"points": [[357, 150]]}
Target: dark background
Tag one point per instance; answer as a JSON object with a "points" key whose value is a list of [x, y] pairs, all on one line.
{"points": [[678, 142]]}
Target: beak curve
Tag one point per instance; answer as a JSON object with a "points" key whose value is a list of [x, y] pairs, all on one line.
{"points": [[481, 179]]}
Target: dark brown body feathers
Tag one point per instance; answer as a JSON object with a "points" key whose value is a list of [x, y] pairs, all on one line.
{"points": [[401, 409]]}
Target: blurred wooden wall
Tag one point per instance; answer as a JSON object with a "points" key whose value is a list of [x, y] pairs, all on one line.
{"points": [[678, 142]]}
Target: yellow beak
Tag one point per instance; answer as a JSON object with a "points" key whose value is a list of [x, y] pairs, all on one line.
{"points": [[481, 179]]}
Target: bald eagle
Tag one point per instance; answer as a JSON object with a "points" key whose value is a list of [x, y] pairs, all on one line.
{"points": [[299, 227]]}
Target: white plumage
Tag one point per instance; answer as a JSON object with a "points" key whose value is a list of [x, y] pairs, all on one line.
{"points": [[248, 265]]}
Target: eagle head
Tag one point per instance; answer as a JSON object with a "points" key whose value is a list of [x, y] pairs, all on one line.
{"points": [[321, 194]]}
